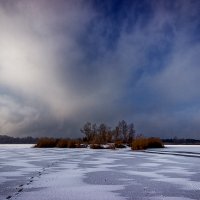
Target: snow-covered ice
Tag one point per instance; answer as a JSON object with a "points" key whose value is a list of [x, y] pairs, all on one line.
{"points": [[28, 173]]}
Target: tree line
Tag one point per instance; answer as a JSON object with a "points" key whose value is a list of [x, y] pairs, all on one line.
{"points": [[102, 134], [4, 139]]}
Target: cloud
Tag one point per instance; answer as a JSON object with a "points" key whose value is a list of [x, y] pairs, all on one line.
{"points": [[66, 62]]}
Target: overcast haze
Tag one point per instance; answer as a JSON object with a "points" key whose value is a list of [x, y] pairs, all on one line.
{"points": [[63, 63]]}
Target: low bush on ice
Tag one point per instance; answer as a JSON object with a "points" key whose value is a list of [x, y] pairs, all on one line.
{"points": [[60, 143], [46, 143], [142, 143]]}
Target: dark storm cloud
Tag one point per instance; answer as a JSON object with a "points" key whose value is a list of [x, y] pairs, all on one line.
{"points": [[66, 62]]}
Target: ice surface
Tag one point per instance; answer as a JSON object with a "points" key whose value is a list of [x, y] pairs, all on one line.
{"points": [[76, 174]]}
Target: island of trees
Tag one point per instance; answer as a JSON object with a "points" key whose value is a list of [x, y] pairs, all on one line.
{"points": [[104, 137], [101, 137]]}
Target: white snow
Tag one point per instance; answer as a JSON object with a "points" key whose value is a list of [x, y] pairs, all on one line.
{"points": [[77, 174]]}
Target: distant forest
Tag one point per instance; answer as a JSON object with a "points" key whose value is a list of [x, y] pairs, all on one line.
{"points": [[4, 139], [181, 141]]}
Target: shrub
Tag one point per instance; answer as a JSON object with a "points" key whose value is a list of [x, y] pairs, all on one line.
{"points": [[46, 143], [71, 144], [119, 144], [62, 143], [155, 143], [96, 146], [142, 143]]}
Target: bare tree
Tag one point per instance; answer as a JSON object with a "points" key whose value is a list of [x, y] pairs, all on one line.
{"points": [[123, 128], [116, 133], [131, 132], [109, 135], [94, 131], [102, 132], [87, 131]]}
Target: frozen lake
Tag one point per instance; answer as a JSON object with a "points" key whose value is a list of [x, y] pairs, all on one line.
{"points": [[27, 173]]}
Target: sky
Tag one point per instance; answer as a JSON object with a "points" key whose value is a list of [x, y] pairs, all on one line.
{"points": [[66, 62]]}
